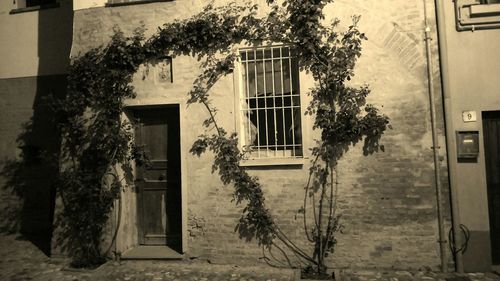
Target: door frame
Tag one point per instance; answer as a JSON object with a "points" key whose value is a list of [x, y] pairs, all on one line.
{"points": [[183, 156], [484, 116]]}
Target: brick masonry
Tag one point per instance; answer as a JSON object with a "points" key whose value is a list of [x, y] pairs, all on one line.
{"points": [[387, 200]]}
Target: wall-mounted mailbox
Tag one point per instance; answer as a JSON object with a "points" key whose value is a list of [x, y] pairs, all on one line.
{"points": [[467, 144]]}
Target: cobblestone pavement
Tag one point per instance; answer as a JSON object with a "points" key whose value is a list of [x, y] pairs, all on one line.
{"points": [[20, 260]]}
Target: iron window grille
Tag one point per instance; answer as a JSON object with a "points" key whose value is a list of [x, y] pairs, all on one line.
{"points": [[269, 102]]}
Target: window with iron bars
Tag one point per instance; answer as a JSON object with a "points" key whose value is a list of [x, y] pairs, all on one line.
{"points": [[270, 113]]}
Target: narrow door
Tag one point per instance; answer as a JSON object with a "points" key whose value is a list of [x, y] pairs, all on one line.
{"points": [[491, 127], [158, 182]]}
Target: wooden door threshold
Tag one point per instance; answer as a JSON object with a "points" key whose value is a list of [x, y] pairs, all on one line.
{"points": [[151, 253]]}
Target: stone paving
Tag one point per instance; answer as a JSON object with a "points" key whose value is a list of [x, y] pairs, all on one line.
{"points": [[20, 260]]}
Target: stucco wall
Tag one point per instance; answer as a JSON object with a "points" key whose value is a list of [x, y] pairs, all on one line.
{"points": [[472, 68], [388, 200], [35, 42]]}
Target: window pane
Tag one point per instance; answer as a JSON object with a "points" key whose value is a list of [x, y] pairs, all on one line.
{"points": [[262, 127], [250, 55], [277, 77], [286, 76], [267, 53], [260, 78], [276, 52], [280, 140], [260, 54], [251, 79], [244, 78], [295, 76], [285, 52], [269, 77]]}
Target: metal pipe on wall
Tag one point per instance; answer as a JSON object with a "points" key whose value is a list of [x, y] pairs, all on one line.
{"points": [[435, 145], [443, 56]]}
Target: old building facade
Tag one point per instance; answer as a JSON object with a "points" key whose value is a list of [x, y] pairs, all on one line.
{"points": [[472, 101], [388, 200]]}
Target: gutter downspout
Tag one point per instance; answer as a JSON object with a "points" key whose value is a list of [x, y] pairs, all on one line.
{"points": [[445, 78], [435, 145]]}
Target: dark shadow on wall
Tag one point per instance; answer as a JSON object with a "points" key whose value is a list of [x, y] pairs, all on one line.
{"points": [[31, 176]]}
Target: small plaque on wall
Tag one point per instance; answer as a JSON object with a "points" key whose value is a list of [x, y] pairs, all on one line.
{"points": [[163, 69], [469, 116]]}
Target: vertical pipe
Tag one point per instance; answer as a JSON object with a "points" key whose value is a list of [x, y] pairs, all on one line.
{"points": [[443, 56], [435, 144]]}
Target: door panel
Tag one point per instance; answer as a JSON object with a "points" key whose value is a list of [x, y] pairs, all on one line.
{"points": [[158, 182], [154, 216], [491, 127]]}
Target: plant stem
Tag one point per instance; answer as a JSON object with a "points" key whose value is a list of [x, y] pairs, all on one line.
{"points": [[319, 240], [306, 192]]}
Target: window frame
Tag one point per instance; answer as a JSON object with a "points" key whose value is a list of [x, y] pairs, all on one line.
{"points": [[22, 7], [240, 115]]}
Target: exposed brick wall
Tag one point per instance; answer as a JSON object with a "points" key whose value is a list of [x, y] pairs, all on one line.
{"points": [[387, 200]]}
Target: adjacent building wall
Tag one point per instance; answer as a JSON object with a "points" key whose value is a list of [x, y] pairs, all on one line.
{"points": [[35, 56], [471, 67], [387, 200]]}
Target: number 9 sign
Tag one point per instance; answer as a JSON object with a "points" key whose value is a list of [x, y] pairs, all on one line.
{"points": [[469, 116]]}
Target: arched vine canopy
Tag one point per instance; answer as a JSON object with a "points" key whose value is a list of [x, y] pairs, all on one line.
{"points": [[96, 140]]}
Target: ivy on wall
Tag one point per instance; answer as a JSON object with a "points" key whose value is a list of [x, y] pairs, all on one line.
{"points": [[97, 140]]}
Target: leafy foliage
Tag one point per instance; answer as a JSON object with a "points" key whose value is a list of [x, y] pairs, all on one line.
{"points": [[256, 221], [96, 139]]}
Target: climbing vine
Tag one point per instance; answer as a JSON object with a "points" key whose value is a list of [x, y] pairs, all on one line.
{"points": [[97, 140]]}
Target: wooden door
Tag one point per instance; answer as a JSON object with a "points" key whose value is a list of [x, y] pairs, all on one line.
{"points": [[491, 127], [159, 196]]}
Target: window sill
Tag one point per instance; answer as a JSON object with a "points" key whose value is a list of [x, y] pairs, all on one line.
{"points": [[273, 162], [138, 2], [34, 8]]}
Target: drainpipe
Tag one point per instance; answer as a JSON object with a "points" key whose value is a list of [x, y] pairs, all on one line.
{"points": [[445, 78], [435, 145]]}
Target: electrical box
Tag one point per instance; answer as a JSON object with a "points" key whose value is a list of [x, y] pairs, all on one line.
{"points": [[467, 144]]}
